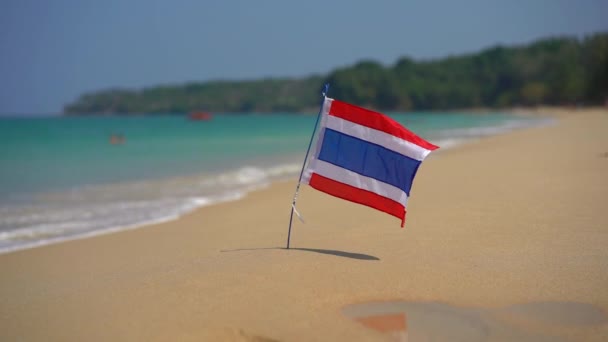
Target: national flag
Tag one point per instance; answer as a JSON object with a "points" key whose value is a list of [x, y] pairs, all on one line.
{"points": [[365, 157]]}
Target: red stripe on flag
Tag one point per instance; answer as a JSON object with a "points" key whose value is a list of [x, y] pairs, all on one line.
{"points": [[377, 121], [350, 193]]}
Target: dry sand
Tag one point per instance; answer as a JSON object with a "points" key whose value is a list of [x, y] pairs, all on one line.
{"points": [[497, 226]]}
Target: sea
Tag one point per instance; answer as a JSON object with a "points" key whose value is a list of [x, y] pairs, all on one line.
{"points": [[63, 178]]}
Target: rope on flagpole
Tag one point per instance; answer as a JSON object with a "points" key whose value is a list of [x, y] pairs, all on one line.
{"points": [[295, 196]]}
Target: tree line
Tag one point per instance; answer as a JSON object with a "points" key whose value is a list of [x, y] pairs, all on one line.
{"points": [[551, 71]]}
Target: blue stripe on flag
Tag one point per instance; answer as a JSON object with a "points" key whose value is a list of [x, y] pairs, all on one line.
{"points": [[368, 159]]}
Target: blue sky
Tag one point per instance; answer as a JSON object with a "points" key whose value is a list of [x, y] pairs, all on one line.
{"points": [[54, 50]]}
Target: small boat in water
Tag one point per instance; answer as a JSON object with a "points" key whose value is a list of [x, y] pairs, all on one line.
{"points": [[200, 116]]}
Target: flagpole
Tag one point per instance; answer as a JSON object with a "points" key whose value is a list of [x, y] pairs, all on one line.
{"points": [[295, 195]]}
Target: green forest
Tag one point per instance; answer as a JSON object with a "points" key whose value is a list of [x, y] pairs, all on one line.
{"points": [[552, 71]]}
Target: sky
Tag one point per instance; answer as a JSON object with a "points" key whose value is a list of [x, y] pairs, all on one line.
{"points": [[52, 51]]}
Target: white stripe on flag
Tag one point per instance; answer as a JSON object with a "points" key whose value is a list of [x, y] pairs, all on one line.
{"points": [[322, 124], [345, 176], [377, 137], [317, 147]]}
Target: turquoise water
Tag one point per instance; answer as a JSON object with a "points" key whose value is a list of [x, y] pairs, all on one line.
{"points": [[60, 178], [55, 153]]}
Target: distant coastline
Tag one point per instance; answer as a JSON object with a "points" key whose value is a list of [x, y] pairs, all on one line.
{"points": [[553, 71]]}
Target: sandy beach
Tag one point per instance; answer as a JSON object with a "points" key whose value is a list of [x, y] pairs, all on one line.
{"points": [[509, 234]]}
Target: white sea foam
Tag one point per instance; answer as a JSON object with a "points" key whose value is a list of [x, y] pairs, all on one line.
{"points": [[445, 144], [450, 138], [484, 131]]}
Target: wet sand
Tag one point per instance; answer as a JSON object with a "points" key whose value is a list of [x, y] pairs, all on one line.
{"points": [[436, 321], [497, 228]]}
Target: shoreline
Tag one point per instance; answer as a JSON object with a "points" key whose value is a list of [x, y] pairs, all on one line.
{"points": [[191, 204], [511, 219]]}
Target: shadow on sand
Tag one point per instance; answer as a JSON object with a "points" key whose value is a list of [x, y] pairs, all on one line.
{"points": [[358, 256]]}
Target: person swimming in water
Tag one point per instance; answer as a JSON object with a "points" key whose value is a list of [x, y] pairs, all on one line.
{"points": [[117, 139]]}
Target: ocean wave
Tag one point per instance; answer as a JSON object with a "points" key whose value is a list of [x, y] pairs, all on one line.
{"points": [[460, 135], [93, 210], [453, 137]]}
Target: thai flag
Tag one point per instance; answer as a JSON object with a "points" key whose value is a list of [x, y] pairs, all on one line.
{"points": [[365, 157]]}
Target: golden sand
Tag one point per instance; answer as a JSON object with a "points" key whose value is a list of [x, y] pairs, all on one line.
{"points": [[509, 220]]}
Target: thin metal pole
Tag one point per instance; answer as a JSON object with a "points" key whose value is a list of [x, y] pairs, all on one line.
{"points": [[295, 196]]}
